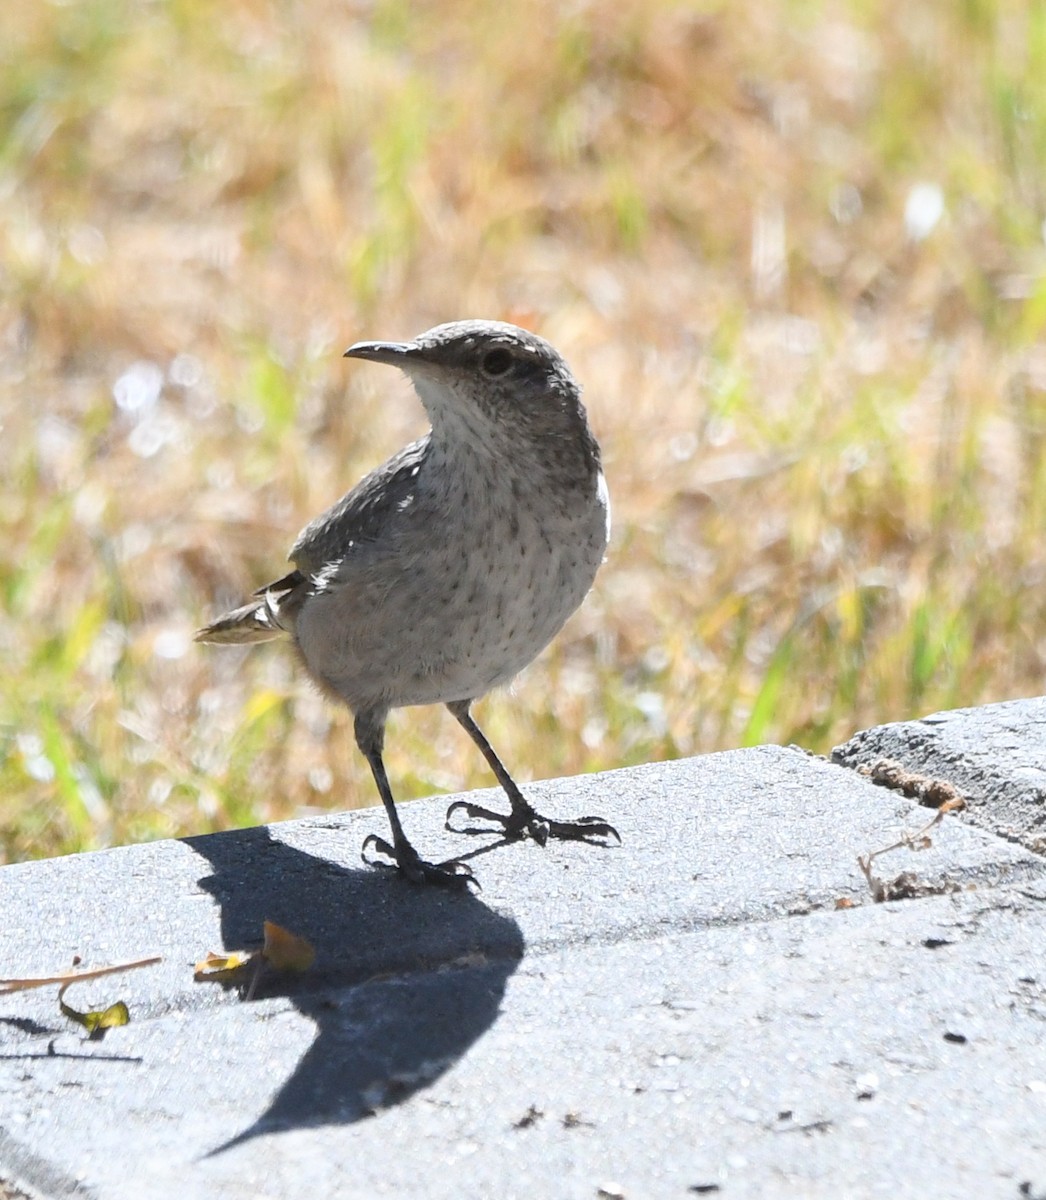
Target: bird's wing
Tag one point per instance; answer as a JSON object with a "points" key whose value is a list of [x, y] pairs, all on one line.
{"points": [[280, 586], [362, 515]]}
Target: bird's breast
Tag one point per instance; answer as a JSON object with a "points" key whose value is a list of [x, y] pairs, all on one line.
{"points": [[474, 584]]}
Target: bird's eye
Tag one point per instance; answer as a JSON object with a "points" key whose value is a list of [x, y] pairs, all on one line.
{"points": [[496, 362]]}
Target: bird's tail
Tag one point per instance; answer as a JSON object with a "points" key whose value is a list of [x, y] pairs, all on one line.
{"points": [[258, 621]]}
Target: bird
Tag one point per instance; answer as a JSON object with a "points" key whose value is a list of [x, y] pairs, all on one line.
{"points": [[450, 567]]}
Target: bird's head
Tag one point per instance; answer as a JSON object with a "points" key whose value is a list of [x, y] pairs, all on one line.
{"points": [[488, 377]]}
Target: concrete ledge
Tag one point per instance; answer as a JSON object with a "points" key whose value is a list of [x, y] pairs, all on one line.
{"points": [[690, 1010], [995, 755]]}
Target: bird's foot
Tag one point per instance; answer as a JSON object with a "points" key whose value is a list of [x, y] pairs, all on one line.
{"points": [[450, 874], [524, 821]]}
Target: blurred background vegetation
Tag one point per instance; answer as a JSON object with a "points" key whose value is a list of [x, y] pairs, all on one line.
{"points": [[794, 250]]}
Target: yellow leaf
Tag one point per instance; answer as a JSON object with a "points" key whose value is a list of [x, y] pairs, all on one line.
{"points": [[216, 966], [95, 1020]]}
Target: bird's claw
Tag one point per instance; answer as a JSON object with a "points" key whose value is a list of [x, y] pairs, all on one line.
{"points": [[450, 874], [478, 813], [582, 829], [526, 822]]}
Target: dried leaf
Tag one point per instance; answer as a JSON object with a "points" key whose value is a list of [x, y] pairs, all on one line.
{"points": [[94, 1020], [220, 967], [287, 951], [281, 950]]}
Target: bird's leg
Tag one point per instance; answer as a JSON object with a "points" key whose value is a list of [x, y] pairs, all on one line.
{"points": [[523, 820], [370, 737]]}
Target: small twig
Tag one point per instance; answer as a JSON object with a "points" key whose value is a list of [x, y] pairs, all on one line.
{"points": [[7, 986], [919, 840]]}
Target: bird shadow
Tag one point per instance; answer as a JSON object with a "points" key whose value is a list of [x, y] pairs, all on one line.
{"points": [[406, 978]]}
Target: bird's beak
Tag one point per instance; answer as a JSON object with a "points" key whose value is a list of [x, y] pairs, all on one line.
{"points": [[396, 354]]}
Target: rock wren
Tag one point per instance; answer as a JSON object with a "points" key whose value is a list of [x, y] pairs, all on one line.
{"points": [[444, 572]]}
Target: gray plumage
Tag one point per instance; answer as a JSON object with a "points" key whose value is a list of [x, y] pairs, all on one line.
{"points": [[449, 568]]}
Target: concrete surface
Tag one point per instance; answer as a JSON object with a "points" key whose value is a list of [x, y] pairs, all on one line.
{"points": [[691, 1013], [995, 755]]}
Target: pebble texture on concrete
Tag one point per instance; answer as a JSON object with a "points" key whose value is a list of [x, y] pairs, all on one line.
{"points": [[689, 1013]]}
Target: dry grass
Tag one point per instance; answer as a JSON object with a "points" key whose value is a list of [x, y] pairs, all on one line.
{"points": [[823, 412]]}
